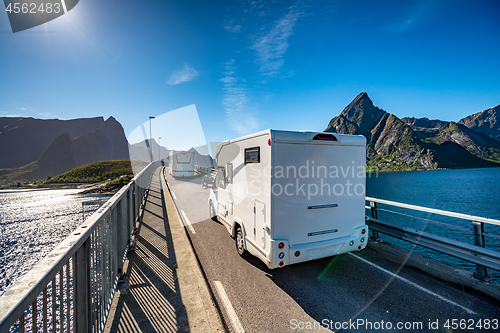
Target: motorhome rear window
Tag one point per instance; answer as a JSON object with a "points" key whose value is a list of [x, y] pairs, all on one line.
{"points": [[252, 155], [183, 158]]}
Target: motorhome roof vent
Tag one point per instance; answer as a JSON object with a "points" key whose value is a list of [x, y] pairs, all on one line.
{"points": [[325, 137]]}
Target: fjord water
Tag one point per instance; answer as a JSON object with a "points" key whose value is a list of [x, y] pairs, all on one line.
{"points": [[32, 223], [468, 191]]}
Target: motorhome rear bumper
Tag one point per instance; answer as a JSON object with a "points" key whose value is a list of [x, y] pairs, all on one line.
{"points": [[316, 250]]}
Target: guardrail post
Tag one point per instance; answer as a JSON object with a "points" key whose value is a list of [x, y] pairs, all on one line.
{"points": [[81, 291], [137, 208], [373, 211], [119, 247], [481, 271]]}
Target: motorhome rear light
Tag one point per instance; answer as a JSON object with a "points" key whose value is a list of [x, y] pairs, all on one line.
{"points": [[362, 240], [325, 137], [268, 261], [363, 231], [351, 243], [269, 142], [297, 253], [359, 247], [281, 245], [282, 263], [281, 255]]}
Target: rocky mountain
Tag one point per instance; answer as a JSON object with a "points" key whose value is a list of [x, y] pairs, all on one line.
{"points": [[140, 151], [487, 121], [205, 161], [57, 159], [107, 142], [23, 140], [414, 144], [438, 132]]}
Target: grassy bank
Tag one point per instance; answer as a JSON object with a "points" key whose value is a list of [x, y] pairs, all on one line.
{"points": [[98, 172]]}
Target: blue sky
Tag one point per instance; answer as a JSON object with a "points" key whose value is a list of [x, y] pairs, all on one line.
{"points": [[252, 65]]}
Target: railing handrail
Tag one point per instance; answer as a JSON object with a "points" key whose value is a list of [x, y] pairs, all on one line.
{"points": [[436, 211], [477, 253], [465, 251], [25, 291]]}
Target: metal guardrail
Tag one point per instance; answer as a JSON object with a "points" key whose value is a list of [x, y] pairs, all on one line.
{"points": [[91, 203], [205, 170], [477, 253], [71, 289]]}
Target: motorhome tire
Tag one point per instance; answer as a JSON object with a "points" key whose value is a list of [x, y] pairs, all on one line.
{"points": [[240, 243]]}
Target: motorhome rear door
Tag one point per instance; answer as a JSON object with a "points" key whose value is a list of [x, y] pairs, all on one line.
{"points": [[318, 190]]}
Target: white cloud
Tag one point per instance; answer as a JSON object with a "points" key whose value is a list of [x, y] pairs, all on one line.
{"points": [[418, 15], [24, 109], [185, 74], [272, 46], [236, 102], [234, 28], [12, 115], [48, 115]]}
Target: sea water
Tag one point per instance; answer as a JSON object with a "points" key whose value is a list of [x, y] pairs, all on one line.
{"points": [[32, 223], [468, 191]]}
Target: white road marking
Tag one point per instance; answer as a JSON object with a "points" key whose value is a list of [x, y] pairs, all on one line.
{"points": [[233, 317], [189, 225], [173, 195], [469, 311]]}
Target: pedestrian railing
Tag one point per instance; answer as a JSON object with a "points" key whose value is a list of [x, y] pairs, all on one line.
{"points": [[478, 254], [205, 171], [72, 288]]}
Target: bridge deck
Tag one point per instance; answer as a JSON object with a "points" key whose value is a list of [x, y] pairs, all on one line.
{"points": [[164, 290]]}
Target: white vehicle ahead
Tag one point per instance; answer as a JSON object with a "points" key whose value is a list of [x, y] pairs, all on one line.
{"points": [[181, 163], [288, 197]]}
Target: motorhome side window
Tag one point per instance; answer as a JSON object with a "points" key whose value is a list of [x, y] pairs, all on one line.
{"points": [[252, 155], [221, 177]]}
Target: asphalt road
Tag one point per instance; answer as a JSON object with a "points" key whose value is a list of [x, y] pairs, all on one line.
{"points": [[357, 292]]}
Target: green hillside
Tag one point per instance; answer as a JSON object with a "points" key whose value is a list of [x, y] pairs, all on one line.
{"points": [[97, 172], [23, 174]]}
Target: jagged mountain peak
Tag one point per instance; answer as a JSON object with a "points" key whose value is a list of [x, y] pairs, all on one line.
{"points": [[359, 117], [362, 112], [418, 143], [361, 104], [487, 121], [360, 99], [424, 122]]}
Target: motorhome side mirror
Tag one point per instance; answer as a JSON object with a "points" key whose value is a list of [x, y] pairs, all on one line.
{"points": [[229, 173], [221, 177]]}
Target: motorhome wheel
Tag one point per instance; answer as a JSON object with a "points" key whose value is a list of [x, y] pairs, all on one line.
{"points": [[240, 243]]}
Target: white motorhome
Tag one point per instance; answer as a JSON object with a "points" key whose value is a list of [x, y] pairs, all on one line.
{"points": [[288, 197], [181, 163]]}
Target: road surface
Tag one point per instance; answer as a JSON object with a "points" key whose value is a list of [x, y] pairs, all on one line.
{"points": [[357, 292]]}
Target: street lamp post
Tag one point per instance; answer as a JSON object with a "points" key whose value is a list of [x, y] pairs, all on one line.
{"points": [[159, 148], [150, 137]]}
